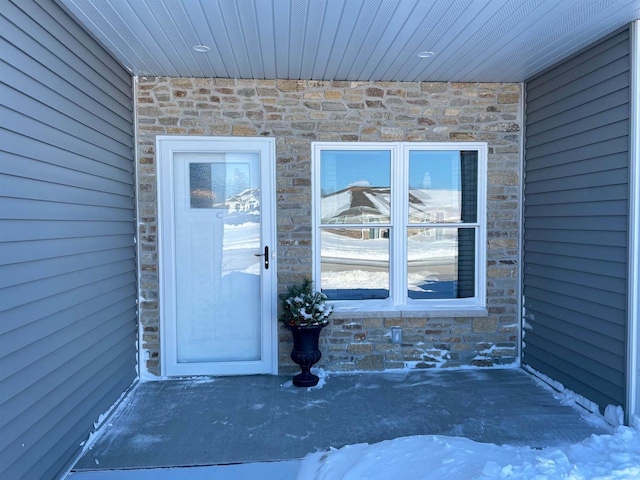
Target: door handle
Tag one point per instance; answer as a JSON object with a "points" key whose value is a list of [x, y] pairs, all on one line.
{"points": [[266, 257]]}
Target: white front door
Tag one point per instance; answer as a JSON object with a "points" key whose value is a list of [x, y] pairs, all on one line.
{"points": [[217, 246]]}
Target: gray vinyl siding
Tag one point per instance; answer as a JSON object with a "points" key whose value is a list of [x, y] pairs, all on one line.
{"points": [[576, 220], [68, 320]]}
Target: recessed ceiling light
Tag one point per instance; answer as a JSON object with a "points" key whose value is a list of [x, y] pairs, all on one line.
{"points": [[201, 48], [426, 54]]}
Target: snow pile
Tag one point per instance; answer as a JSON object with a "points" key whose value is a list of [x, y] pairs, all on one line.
{"points": [[615, 456]]}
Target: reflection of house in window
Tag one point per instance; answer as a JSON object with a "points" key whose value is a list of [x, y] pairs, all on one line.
{"points": [[246, 201], [356, 205]]}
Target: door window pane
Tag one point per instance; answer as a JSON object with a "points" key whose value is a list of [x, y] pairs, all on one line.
{"points": [[441, 263], [222, 185], [355, 263], [443, 186], [355, 187]]}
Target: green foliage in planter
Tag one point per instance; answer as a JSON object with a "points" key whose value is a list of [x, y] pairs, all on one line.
{"points": [[303, 306]]}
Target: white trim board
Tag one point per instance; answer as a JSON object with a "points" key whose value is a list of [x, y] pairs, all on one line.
{"points": [[633, 306]]}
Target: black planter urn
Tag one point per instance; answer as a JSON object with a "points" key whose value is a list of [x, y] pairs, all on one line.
{"points": [[306, 353]]}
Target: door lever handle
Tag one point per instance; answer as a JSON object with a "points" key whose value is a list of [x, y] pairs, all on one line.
{"points": [[266, 257]]}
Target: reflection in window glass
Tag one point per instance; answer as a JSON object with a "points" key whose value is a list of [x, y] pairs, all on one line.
{"points": [[355, 186], [219, 184], [443, 186], [355, 263], [441, 263]]}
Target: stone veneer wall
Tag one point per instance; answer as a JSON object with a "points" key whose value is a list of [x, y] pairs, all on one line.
{"points": [[297, 112]]}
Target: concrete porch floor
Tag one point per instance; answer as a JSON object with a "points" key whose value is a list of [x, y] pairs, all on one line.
{"points": [[229, 420]]}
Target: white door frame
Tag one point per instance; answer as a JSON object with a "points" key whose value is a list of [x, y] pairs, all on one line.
{"points": [[166, 146]]}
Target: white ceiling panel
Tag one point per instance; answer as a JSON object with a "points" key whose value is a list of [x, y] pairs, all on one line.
{"points": [[359, 40]]}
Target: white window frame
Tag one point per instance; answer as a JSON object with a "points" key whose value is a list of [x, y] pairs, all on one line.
{"points": [[398, 299]]}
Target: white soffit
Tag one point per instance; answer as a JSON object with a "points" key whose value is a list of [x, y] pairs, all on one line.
{"points": [[357, 40]]}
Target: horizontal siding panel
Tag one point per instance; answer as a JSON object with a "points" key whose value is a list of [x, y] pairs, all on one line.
{"points": [[16, 122], [75, 71], [573, 377], [612, 130], [578, 237], [592, 223], [595, 55], [586, 111], [18, 252], [617, 176], [583, 325], [616, 270], [600, 281], [60, 352], [586, 195], [578, 251], [27, 230], [579, 166], [65, 31], [583, 368], [31, 68], [578, 125], [44, 114], [25, 314], [20, 83], [585, 209], [65, 402], [23, 146], [586, 88], [605, 146], [29, 189], [17, 295], [22, 167], [75, 320], [591, 306], [19, 273], [595, 358], [21, 208], [96, 392], [604, 295]]}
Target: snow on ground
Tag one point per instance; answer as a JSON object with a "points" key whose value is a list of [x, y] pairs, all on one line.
{"points": [[615, 456], [431, 457]]}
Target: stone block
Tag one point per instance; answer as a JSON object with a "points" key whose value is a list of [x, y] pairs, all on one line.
{"points": [[359, 348], [291, 85], [391, 134], [485, 325], [243, 130], [508, 98], [370, 323], [462, 136], [434, 87], [370, 363], [333, 107]]}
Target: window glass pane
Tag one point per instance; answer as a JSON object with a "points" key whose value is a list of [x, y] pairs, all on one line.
{"points": [[354, 263], [441, 262], [443, 186], [222, 185], [355, 186]]}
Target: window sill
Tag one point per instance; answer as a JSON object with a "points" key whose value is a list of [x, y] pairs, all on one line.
{"points": [[346, 312]]}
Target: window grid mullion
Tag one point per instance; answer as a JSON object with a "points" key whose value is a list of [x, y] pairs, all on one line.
{"points": [[401, 196]]}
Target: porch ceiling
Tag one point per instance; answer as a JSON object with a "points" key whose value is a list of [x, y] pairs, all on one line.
{"points": [[358, 40]]}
